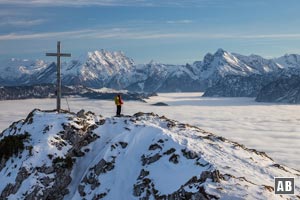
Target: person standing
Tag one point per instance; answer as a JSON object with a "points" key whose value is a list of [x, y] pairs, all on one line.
{"points": [[118, 102]]}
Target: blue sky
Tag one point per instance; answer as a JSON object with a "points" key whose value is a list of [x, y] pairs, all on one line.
{"points": [[168, 31]]}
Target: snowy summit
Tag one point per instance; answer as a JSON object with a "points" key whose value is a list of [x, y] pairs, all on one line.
{"points": [[144, 156]]}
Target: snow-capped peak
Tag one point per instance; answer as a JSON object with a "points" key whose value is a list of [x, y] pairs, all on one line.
{"points": [[97, 67], [110, 59], [220, 52], [226, 56], [222, 63], [15, 68]]}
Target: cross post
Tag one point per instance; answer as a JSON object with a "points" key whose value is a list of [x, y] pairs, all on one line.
{"points": [[58, 85]]}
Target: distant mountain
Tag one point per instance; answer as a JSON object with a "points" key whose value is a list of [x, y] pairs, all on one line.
{"points": [[249, 86], [97, 69], [144, 156], [165, 78], [19, 71], [49, 91], [283, 90], [115, 70], [112, 69], [253, 76], [238, 86]]}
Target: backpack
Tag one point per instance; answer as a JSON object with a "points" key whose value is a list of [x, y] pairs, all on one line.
{"points": [[117, 100]]}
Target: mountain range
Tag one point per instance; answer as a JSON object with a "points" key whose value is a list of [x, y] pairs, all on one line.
{"points": [[49, 91], [219, 74], [144, 156]]}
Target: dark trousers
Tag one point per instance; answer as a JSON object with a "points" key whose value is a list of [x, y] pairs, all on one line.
{"points": [[118, 110]]}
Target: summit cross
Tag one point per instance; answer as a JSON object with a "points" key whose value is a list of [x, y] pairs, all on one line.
{"points": [[58, 54]]}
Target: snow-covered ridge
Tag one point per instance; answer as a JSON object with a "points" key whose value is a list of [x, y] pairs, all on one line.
{"points": [[15, 68], [76, 156]]}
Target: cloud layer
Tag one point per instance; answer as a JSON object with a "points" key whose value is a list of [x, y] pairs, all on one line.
{"points": [[135, 34], [147, 3]]}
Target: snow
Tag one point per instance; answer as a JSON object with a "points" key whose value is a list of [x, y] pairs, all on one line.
{"points": [[108, 90], [288, 60], [273, 128], [43, 145], [113, 69], [166, 176], [225, 63], [15, 68]]}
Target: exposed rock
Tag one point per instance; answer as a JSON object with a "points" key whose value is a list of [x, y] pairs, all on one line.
{"points": [[103, 166], [170, 151], [174, 158], [92, 180], [81, 114], [99, 196], [123, 144], [214, 175], [81, 190], [280, 167], [154, 147], [143, 174], [151, 159], [13, 188], [189, 154], [160, 104], [140, 188]]}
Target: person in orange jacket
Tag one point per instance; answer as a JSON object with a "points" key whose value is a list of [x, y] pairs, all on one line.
{"points": [[118, 102]]}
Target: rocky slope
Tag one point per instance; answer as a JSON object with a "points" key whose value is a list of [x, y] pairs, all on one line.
{"points": [[283, 90], [252, 85], [145, 156], [238, 86]]}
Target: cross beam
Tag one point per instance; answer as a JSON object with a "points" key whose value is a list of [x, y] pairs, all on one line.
{"points": [[58, 54]]}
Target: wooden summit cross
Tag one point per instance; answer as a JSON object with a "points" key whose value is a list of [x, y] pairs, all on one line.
{"points": [[58, 86]]}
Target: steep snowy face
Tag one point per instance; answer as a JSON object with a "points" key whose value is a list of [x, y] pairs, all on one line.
{"points": [[259, 63], [101, 63], [15, 68], [145, 156], [97, 68], [222, 63]]}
